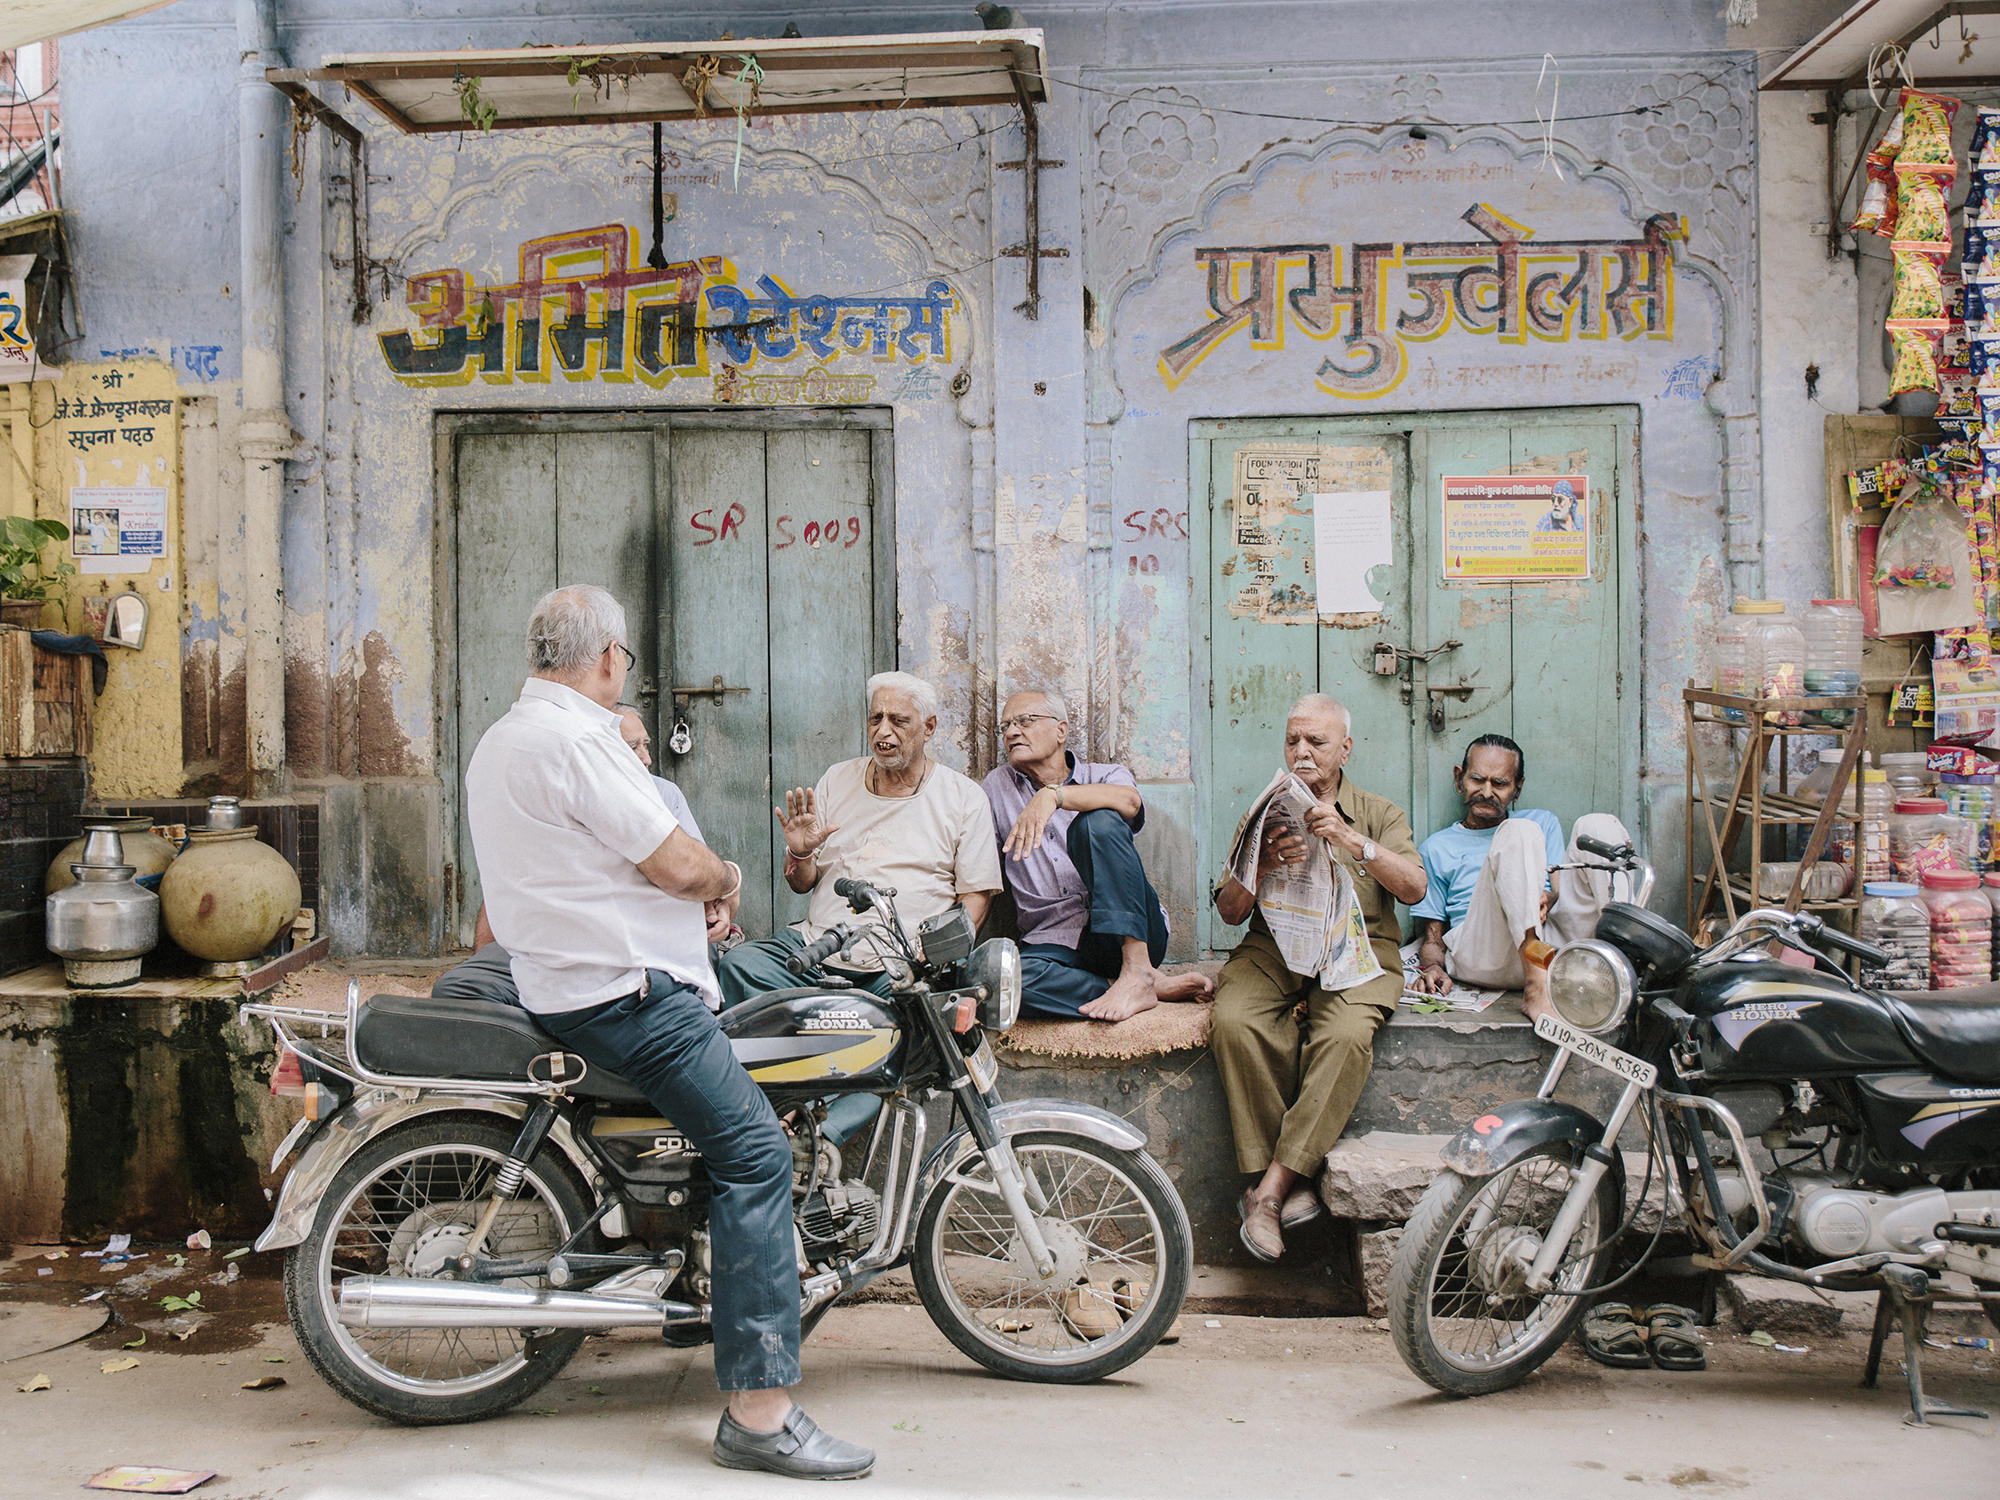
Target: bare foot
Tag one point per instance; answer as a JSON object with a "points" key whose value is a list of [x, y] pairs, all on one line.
{"points": [[1129, 994], [1535, 997], [1190, 986]]}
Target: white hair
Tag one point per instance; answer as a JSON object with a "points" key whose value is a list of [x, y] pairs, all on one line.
{"points": [[1322, 703], [1051, 699], [571, 627], [919, 692]]}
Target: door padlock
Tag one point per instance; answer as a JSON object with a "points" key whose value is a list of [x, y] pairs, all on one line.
{"points": [[1437, 716], [1385, 659], [682, 739]]}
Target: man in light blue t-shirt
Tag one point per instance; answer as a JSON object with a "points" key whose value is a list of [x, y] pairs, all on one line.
{"points": [[1487, 890]]}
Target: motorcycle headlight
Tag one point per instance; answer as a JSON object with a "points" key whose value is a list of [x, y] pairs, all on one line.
{"points": [[1591, 985], [995, 970]]}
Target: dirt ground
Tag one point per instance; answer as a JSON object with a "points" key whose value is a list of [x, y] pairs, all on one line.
{"points": [[1241, 1406]]}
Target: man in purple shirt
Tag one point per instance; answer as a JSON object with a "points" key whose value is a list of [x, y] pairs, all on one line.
{"points": [[1092, 930]]}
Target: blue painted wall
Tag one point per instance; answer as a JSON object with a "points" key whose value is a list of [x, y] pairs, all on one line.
{"points": [[1178, 126]]}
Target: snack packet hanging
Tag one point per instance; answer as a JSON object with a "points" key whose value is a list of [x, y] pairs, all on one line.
{"points": [[1923, 216], [1921, 541], [1919, 294], [1927, 130], [1878, 201], [1916, 360], [1985, 152]]}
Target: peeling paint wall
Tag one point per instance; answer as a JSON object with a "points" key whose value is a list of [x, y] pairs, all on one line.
{"points": [[1041, 470]]}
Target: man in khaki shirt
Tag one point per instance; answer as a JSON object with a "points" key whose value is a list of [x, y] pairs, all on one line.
{"points": [[1292, 1084]]}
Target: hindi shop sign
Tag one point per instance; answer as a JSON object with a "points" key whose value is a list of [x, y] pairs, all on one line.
{"points": [[1372, 300], [1516, 528], [587, 306], [18, 360]]}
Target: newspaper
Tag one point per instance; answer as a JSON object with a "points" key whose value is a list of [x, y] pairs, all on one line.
{"points": [[1308, 905], [1458, 997]]}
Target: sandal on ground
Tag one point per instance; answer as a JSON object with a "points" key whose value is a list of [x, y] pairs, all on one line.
{"points": [[1613, 1335], [1131, 1295], [1674, 1339], [1090, 1311]]}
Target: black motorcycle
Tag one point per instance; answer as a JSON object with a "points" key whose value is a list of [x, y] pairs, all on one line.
{"points": [[472, 1200], [1804, 1127]]}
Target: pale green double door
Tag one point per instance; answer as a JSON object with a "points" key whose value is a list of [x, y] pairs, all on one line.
{"points": [[751, 553], [1553, 666]]}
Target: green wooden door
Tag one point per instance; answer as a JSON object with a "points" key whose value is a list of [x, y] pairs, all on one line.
{"points": [[1544, 663], [744, 551]]}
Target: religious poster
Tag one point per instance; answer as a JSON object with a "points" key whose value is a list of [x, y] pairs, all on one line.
{"points": [[1516, 528], [117, 528]]}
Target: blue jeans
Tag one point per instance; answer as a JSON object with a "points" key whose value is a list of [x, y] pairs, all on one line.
{"points": [[1056, 981], [667, 1045]]}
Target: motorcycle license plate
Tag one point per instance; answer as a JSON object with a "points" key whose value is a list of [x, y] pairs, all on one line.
{"points": [[1590, 1049], [985, 1066]]}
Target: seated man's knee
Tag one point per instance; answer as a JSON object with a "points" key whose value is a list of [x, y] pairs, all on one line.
{"points": [[1097, 826], [1518, 833], [1606, 828]]}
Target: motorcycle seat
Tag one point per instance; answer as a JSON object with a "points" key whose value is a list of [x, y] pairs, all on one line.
{"points": [[1956, 1031], [438, 1036]]}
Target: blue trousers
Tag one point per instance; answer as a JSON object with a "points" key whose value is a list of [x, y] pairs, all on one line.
{"points": [[1057, 982], [666, 1044]]}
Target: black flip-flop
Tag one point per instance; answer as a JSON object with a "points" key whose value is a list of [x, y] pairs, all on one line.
{"points": [[1673, 1339], [1613, 1335]]}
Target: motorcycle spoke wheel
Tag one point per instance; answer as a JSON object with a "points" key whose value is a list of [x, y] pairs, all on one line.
{"points": [[1121, 1253], [1462, 1315], [407, 1206]]}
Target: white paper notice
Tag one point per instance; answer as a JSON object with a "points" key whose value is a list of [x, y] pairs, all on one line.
{"points": [[1351, 535], [117, 528]]}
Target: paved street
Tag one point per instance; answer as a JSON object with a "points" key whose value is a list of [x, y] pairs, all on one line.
{"points": [[1254, 1406]]}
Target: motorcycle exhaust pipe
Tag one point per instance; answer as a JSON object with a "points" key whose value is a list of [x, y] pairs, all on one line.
{"points": [[403, 1302]]}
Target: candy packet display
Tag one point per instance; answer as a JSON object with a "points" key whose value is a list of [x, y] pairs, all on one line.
{"points": [[1916, 360], [1922, 213], [1922, 541], [1878, 195], [1986, 139], [1919, 294], [1927, 130]]}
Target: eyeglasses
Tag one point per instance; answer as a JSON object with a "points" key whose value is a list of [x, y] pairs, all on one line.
{"points": [[631, 661], [1022, 721]]}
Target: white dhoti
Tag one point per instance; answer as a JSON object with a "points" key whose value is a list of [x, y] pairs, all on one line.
{"points": [[1484, 950], [1582, 895]]}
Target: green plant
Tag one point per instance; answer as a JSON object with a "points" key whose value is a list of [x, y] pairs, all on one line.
{"points": [[474, 105], [23, 574]]}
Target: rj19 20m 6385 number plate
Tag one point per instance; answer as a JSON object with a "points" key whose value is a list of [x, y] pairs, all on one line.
{"points": [[1590, 1049]]}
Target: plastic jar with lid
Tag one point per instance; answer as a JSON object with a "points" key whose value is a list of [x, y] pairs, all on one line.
{"points": [[1924, 836], [1907, 773], [1961, 929], [1895, 918], [1733, 674], [1778, 652], [1833, 657], [1871, 853], [1972, 798], [1992, 889]]}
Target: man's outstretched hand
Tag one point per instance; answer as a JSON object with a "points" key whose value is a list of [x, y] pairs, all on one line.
{"points": [[800, 819]]}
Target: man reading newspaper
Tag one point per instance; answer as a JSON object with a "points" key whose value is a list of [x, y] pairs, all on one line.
{"points": [[1316, 868]]}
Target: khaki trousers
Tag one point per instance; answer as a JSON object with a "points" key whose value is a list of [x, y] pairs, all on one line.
{"points": [[1292, 1085]]}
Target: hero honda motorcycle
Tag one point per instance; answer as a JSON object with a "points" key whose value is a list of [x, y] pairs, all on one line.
{"points": [[1804, 1127], [472, 1201]]}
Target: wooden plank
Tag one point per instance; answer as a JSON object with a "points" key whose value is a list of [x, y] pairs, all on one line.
{"points": [[506, 511], [17, 694], [712, 530], [821, 572], [605, 535]]}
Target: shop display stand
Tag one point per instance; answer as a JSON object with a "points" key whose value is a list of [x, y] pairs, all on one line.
{"points": [[1745, 801]]}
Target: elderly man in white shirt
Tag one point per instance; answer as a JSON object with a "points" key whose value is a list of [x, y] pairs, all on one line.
{"points": [[598, 893]]}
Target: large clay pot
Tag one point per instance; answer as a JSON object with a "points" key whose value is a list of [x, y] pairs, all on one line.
{"points": [[227, 897], [145, 851]]}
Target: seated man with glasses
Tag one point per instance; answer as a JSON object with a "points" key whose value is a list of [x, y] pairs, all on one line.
{"points": [[1093, 931]]}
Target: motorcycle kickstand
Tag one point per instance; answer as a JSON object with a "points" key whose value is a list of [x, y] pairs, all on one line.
{"points": [[1891, 1308]]}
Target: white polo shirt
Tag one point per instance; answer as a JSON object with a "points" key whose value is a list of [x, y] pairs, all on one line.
{"points": [[561, 813]]}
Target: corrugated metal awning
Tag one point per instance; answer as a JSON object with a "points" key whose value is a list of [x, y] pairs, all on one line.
{"points": [[1954, 46], [539, 87], [25, 21]]}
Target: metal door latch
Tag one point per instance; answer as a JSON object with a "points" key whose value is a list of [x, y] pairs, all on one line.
{"points": [[682, 692], [1438, 692], [682, 739]]}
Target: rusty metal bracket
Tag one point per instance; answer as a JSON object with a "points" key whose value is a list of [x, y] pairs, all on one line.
{"points": [[1031, 247], [291, 83]]}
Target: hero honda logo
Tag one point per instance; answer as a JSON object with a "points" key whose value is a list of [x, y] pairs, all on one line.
{"points": [[835, 1020], [1736, 1024]]}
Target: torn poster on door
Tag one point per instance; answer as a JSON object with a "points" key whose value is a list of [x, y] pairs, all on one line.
{"points": [[1272, 555], [117, 528], [1351, 538]]}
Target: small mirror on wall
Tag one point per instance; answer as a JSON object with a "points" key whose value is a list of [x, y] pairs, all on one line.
{"points": [[125, 621]]}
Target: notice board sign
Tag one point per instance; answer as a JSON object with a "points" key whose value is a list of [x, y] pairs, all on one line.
{"points": [[1516, 528]]}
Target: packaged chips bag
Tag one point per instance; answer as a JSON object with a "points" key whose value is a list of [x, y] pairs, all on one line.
{"points": [[1927, 131], [1916, 360], [1923, 216], [1878, 197], [1919, 295], [1986, 140]]}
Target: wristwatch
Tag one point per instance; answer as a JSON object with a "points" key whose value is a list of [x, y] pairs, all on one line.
{"points": [[1368, 851]]}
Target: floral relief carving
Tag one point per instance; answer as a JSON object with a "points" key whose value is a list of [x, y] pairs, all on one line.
{"points": [[1697, 124], [1153, 149], [1415, 94]]}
